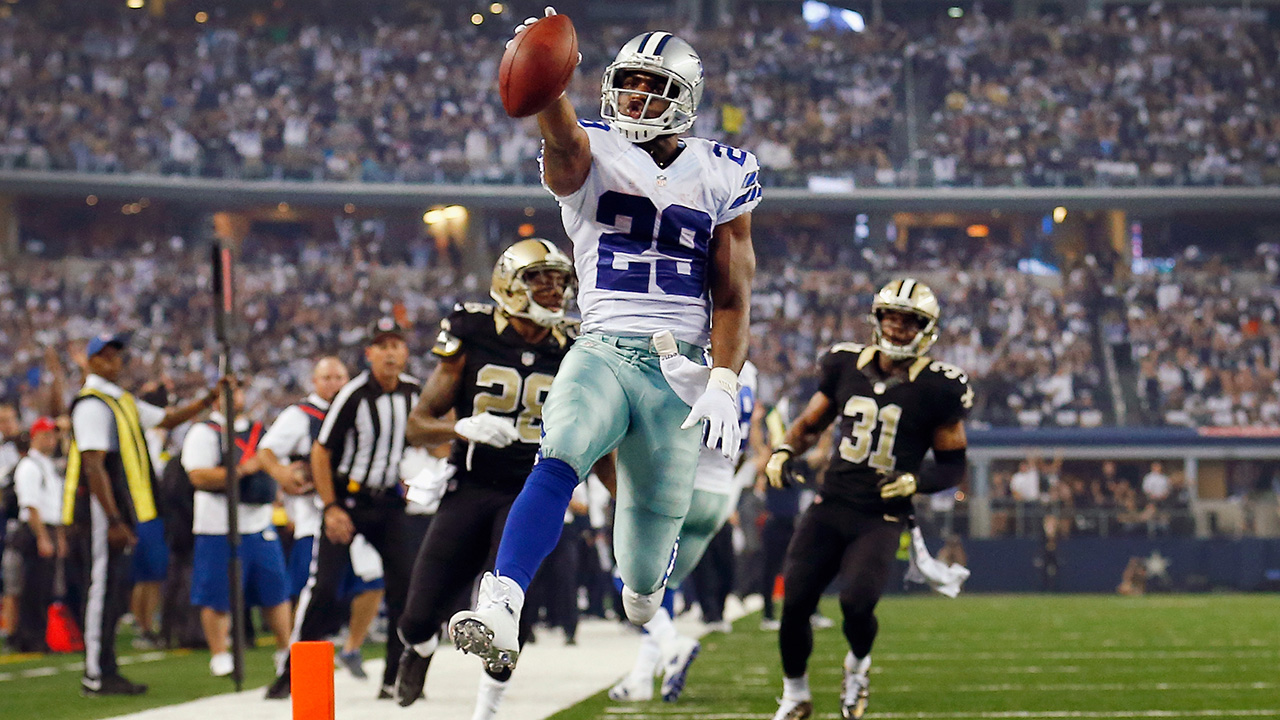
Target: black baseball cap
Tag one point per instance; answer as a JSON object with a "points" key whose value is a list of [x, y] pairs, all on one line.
{"points": [[382, 327]]}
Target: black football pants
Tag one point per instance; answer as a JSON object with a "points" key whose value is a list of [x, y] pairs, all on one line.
{"points": [[383, 522], [833, 539], [461, 543]]}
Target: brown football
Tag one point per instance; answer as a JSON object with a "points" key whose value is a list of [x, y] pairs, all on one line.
{"points": [[538, 66]]}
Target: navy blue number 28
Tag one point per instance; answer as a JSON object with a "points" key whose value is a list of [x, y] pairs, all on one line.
{"points": [[683, 240]]}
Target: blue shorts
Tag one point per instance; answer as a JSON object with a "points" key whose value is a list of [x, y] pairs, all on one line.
{"points": [[151, 554], [300, 571], [266, 583]]}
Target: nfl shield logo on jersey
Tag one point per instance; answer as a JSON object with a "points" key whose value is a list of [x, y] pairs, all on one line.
{"points": [[527, 358]]}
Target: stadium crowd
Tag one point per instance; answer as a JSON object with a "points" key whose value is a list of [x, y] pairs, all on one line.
{"points": [[1166, 96]]}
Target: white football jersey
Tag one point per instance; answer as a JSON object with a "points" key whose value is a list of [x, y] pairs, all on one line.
{"points": [[642, 235]]}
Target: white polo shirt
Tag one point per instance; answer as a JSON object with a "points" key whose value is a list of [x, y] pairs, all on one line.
{"points": [[94, 425], [202, 450], [289, 437], [38, 485]]}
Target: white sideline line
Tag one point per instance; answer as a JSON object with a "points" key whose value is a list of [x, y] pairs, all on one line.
{"points": [[47, 670], [1043, 687]]}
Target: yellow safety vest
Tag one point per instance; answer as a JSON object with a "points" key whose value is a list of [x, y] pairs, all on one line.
{"points": [[133, 455]]}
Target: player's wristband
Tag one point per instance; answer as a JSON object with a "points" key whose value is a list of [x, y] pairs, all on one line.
{"points": [[786, 449], [333, 504]]}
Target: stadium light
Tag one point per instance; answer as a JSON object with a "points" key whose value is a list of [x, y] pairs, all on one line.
{"points": [[476, 19], [135, 4], [91, 200], [977, 231], [431, 217], [496, 8], [202, 17], [455, 212], [955, 12], [1059, 214], [349, 208]]}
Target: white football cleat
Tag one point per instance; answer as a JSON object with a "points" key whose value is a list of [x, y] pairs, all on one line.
{"points": [[221, 665], [492, 630], [632, 689], [794, 709], [488, 698], [677, 657], [856, 688], [640, 609]]}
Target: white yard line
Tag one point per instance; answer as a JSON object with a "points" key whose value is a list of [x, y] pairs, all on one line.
{"points": [[649, 714]]}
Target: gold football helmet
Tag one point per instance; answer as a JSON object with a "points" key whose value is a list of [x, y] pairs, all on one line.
{"points": [[909, 296], [510, 289]]}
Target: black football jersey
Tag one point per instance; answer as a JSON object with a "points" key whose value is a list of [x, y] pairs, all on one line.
{"points": [[885, 422], [505, 376]]}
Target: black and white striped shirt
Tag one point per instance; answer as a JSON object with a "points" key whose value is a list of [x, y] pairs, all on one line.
{"points": [[364, 431]]}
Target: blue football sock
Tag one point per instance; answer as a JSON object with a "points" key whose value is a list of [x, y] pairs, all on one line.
{"points": [[535, 521], [669, 602]]}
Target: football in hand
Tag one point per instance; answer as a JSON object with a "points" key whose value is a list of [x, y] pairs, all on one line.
{"points": [[537, 66]]}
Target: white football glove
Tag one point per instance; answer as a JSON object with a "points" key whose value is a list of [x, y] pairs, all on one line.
{"points": [[487, 429], [718, 405], [687, 378], [547, 12]]}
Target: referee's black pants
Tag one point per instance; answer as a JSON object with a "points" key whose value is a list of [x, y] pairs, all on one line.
{"points": [[37, 591], [713, 575], [461, 543], [834, 538], [381, 519], [110, 582]]}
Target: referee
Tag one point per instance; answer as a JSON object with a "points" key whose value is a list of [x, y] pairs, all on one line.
{"points": [[109, 491], [355, 465]]}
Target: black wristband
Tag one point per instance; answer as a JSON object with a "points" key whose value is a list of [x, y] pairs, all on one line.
{"points": [[335, 503], [786, 449]]}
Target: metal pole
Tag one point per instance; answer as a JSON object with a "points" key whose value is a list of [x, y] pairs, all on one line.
{"points": [[224, 308]]}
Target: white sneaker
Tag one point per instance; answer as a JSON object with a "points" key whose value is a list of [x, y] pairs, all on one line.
{"points": [[820, 621], [492, 630], [856, 688], [677, 657], [488, 698], [632, 689], [770, 624], [723, 626], [641, 608], [221, 665], [793, 709]]}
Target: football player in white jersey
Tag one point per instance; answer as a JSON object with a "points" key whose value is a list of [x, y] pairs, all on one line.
{"points": [[716, 487], [661, 231]]}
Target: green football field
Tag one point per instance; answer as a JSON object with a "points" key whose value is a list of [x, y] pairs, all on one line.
{"points": [[1008, 657], [1014, 657]]}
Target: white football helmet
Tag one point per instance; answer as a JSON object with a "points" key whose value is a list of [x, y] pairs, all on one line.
{"points": [[668, 57]]}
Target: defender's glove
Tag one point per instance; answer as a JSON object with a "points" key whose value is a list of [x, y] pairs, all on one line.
{"points": [[686, 377], [897, 485], [718, 406], [487, 429], [779, 471]]}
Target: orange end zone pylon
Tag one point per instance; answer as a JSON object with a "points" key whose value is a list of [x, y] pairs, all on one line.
{"points": [[311, 680]]}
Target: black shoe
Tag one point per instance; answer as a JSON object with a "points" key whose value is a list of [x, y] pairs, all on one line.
{"points": [[388, 692], [109, 685], [411, 677], [280, 688]]}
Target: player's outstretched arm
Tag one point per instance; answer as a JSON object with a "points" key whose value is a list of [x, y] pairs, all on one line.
{"points": [[733, 267], [428, 425], [566, 150], [802, 435]]}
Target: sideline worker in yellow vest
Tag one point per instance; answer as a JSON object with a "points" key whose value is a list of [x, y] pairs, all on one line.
{"points": [[109, 490]]}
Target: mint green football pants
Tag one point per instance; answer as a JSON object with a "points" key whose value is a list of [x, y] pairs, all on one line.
{"points": [[610, 394], [708, 512]]}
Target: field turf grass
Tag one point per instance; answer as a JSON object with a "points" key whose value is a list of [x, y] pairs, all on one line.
{"points": [[984, 657], [1023, 657], [34, 687]]}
